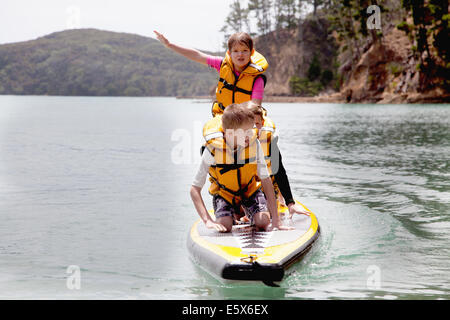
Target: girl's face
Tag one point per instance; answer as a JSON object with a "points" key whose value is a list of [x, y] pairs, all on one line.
{"points": [[240, 56]]}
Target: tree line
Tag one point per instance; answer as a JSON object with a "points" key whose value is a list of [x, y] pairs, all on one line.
{"points": [[428, 29], [259, 17], [430, 33], [91, 62]]}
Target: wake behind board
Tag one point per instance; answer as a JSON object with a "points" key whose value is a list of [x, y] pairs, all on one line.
{"points": [[247, 254]]}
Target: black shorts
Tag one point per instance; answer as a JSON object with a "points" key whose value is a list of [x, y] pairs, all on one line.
{"points": [[256, 203]]}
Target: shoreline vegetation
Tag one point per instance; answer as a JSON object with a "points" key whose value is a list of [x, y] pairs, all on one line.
{"points": [[339, 97], [312, 59], [396, 52], [336, 97]]}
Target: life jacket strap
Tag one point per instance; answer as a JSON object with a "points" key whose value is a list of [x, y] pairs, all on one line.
{"points": [[239, 193], [232, 87], [234, 166]]}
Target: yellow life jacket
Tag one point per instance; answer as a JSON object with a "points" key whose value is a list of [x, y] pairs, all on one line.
{"points": [[265, 137], [234, 175], [232, 89]]}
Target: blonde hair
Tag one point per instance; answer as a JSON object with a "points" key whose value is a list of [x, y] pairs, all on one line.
{"points": [[236, 115], [254, 108]]}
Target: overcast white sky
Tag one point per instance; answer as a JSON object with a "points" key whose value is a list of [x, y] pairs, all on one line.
{"points": [[192, 23]]}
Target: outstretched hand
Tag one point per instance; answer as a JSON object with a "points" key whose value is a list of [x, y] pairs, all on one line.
{"points": [[161, 38], [218, 226], [295, 208], [278, 226]]}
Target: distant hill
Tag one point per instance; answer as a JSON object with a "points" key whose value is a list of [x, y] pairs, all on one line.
{"points": [[92, 62]]}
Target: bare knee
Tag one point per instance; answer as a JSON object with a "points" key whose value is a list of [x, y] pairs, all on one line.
{"points": [[262, 220], [227, 222]]}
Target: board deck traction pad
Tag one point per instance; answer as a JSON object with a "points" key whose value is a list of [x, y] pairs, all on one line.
{"points": [[248, 254]]}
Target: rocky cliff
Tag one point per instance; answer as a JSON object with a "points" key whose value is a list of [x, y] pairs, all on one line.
{"points": [[387, 73], [290, 52], [386, 70]]}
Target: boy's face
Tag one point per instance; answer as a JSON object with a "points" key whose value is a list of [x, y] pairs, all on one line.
{"points": [[239, 137], [240, 55], [259, 122]]}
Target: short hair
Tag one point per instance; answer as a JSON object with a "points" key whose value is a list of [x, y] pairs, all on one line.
{"points": [[236, 115], [254, 108], [242, 38]]}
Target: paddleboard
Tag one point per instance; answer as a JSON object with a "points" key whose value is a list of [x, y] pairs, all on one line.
{"points": [[248, 254]]}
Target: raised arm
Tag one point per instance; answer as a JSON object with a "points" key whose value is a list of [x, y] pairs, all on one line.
{"points": [[191, 54]]}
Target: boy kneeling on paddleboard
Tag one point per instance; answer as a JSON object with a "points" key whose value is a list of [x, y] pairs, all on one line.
{"points": [[234, 159]]}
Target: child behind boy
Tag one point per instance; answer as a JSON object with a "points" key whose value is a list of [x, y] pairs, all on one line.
{"points": [[268, 139], [234, 160]]}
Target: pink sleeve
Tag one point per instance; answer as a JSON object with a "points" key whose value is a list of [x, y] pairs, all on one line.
{"points": [[214, 62], [258, 89]]}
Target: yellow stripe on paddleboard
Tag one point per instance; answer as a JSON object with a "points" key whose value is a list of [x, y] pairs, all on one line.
{"points": [[275, 254], [227, 252], [272, 254]]}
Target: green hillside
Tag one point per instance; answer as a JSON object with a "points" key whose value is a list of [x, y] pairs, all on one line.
{"points": [[91, 62]]}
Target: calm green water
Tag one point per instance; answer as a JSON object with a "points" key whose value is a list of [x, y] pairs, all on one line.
{"points": [[102, 184]]}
